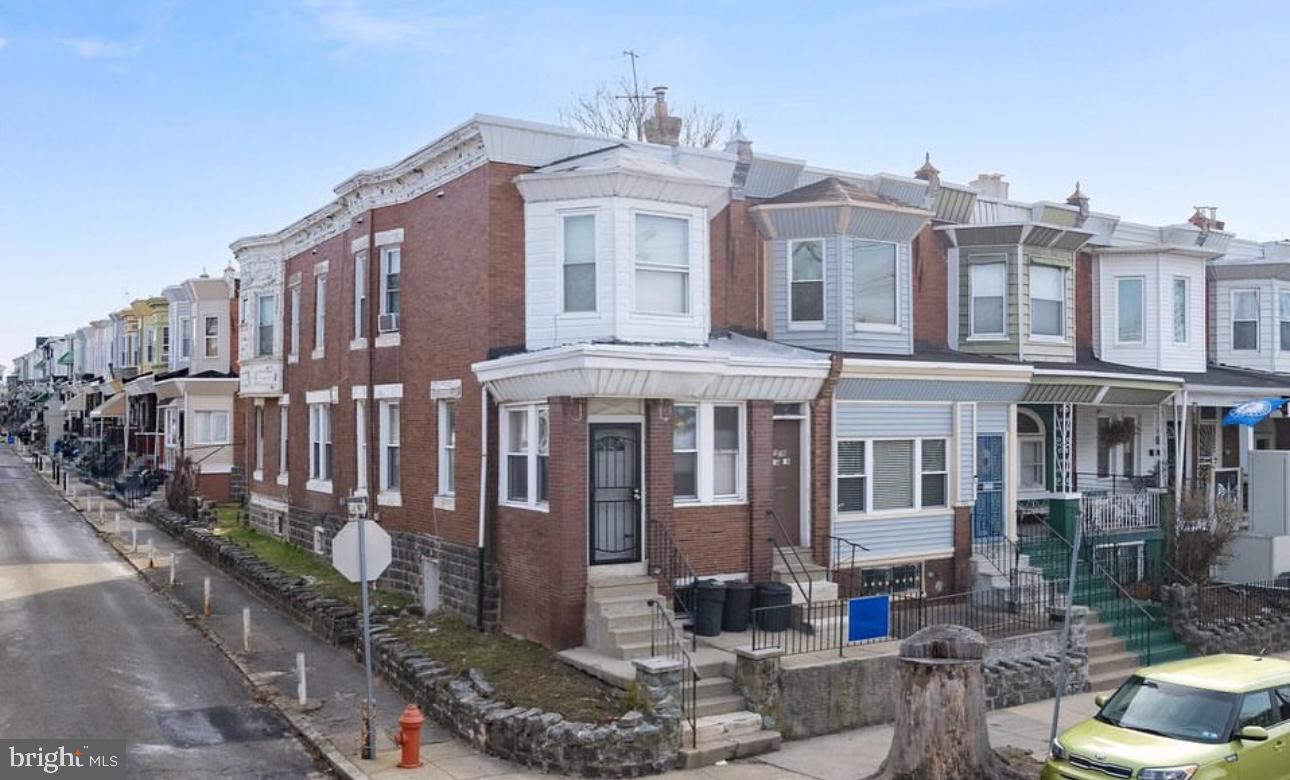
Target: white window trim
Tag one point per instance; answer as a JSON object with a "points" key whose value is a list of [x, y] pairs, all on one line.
{"points": [[1186, 311], [705, 436], [874, 327], [917, 510], [594, 311], [273, 323], [1042, 438], [982, 260], [444, 449], [198, 441], [1044, 338], [320, 317], [206, 353], [1258, 318], [284, 424], [385, 257], [504, 452], [690, 269], [1282, 346], [360, 444], [258, 473], [319, 485], [360, 296], [388, 496], [1142, 304], [807, 325]]}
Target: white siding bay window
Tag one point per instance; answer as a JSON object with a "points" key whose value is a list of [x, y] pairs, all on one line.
{"points": [[210, 428], [1245, 320], [875, 274], [708, 453], [1181, 313], [1283, 319], [892, 475], [1047, 302], [578, 255], [662, 264], [806, 284], [988, 286], [525, 446], [1130, 301]]}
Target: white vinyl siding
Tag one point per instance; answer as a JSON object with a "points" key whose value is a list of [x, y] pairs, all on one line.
{"points": [[578, 266], [662, 264], [988, 298], [708, 445], [806, 284], [1130, 302], [1047, 301]]}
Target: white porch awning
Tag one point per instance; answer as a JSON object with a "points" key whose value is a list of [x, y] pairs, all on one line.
{"points": [[112, 407], [77, 402], [144, 385], [733, 368]]}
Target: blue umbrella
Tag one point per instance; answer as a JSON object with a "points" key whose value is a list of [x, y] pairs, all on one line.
{"points": [[1253, 412]]}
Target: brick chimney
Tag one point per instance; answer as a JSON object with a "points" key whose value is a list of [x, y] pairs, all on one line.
{"points": [[990, 185], [1080, 201], [741, 148], [662, 128]]}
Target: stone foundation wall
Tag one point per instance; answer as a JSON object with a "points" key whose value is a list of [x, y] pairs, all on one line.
{"points": [[806, 699], [633, 745], [1253, 635]]}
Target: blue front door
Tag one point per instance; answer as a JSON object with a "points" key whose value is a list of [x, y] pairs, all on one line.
{"points": [[987, 514]]}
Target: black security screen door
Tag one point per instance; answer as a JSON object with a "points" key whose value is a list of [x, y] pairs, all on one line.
{"points": [[615, 493]]}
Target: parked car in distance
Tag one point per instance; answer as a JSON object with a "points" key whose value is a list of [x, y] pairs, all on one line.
{"points": [[1220, 716]]}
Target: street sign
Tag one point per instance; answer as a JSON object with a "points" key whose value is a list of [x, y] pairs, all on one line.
{"points": [[344, 550]]}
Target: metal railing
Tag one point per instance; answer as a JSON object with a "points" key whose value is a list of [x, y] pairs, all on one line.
{"points": [[1230, 604], [808, 591], [668, 641], [675, 574], [841, 549], [1123, 511]]}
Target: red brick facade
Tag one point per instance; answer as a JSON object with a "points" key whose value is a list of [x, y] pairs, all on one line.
{"points": [[930, 251]]}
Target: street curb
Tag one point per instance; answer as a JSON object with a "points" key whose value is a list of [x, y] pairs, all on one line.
{"points": [[317, 743]]}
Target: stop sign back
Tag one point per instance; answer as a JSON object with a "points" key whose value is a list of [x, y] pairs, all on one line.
{"points": [[344, 550]]}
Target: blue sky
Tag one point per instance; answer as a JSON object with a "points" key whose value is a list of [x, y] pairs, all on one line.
{"points": [[137, 139]]}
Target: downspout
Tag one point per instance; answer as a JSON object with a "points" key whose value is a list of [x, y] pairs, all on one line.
{"points": [[369, 405], [483, 502]]}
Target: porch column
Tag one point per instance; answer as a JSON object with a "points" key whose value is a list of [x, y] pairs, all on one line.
{"points": [[1063, 434], [566, 544]]}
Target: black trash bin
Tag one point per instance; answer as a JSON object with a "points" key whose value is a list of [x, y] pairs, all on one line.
{"points": [[710, 601], [739, 600], [778, 596]]}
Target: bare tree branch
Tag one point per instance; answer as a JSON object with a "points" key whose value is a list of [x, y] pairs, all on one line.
{"points": [[618, 113]]}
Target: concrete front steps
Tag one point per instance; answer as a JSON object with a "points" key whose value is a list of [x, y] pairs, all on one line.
{"points": [[1112, 657], [724, 729], [803, 575]]}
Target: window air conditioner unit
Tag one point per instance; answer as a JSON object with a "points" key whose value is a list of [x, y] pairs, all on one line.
{"points": [[388, 323]]}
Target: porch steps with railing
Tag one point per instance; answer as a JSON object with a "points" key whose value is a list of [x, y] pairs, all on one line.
{"points": [[797, 569], [723, 729]]}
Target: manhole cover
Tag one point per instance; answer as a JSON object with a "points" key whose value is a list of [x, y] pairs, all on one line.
{"points": [[217, 725]]}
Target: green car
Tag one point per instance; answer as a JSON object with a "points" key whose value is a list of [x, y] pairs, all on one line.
{"points": [[1221, 716]]}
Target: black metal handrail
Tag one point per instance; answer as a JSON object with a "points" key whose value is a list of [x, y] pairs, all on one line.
{"points": [[809, 590], [835, 561], [1225, 604], [668, 641], [670, 567]]}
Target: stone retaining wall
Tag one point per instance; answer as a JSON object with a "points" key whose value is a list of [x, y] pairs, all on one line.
{"points": [[1252, 635], [635, 744]]}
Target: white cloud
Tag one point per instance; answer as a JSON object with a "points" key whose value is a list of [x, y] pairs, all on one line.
{"points": [[102, 49], [349, 23]]}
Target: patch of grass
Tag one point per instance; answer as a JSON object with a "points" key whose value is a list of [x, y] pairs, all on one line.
{"points": [[295, 561], [523, 673]]}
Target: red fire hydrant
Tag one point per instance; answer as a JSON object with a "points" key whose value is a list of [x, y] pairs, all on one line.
{"points": [[409, 736]]}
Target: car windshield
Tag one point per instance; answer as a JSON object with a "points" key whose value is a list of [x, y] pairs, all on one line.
{"points": [[1170, 710]]}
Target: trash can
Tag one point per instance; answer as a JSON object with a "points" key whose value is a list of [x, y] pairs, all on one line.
{"points": [[739, 600], [774, 594], [710, 600]]}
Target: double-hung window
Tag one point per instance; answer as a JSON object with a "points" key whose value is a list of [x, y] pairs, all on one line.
{"points": [[320, 442], [1129, 304], [390, 467], [708, 445], [525, 433], [165, 343], [320, 313], [1030, 437], [447, 447], [806, 283], [360, 446], [211, 340], [987, 282], [259, 441], [185, 337], [264, 325], [149, 341], [1245, 320], [1283, 317], [210, 427], [1181, 306], [391, 266], [360, 294], [662, 271], [884, 475], [874, 275], [1047, 301], [283, 415], [579, 262], [294, 349]]}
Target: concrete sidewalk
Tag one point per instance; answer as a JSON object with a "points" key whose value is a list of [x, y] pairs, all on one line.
{"points": [[335, 683]]}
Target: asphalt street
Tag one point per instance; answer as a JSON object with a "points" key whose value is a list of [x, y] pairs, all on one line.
{"points": [[89, 652]]}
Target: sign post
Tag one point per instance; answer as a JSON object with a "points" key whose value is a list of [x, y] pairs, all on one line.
{"points": [[360, 551]]}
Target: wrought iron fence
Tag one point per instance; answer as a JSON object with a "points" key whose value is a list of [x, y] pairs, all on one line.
{"points": [[1226, 604], [674, 573]]}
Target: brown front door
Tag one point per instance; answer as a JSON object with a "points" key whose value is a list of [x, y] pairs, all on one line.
{"points": [[786, 468]]}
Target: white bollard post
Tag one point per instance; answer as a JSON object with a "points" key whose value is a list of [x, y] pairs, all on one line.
{"points": [[134, 540], [116, 524], [151, 552], [246, 629], [301, 698], [102, 503], [206, 596], [172, 570]]}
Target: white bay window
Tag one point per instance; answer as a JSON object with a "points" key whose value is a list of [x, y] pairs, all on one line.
{"points": [[1129, 304], [806, 284], [874, 280], [892, 475], [210, 427], [708, 446], [1245, 320], [1047, 301], [987, 282], [662, 264], [578, 242]]}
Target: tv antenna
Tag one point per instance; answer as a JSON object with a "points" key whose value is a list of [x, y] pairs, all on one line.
{"points": [[636, 99]]}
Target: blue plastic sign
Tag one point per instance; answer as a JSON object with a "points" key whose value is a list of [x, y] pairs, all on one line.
{"points": [[1253, 412], [868, 617]]}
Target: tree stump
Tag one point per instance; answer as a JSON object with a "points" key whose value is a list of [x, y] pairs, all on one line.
{"points": [[941, 730]]}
